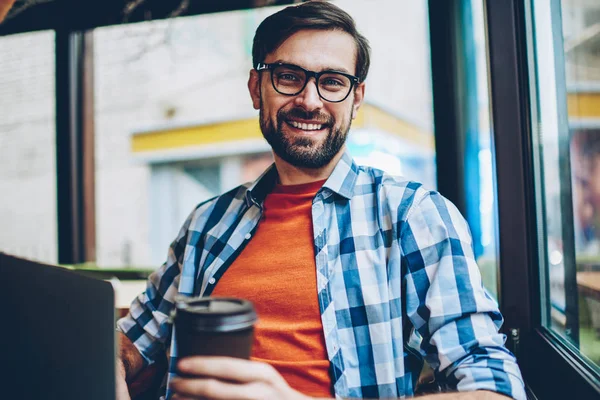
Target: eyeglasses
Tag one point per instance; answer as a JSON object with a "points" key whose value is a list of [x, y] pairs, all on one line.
{"points": [[290, 80]]}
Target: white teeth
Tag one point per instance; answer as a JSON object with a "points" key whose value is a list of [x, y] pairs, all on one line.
{"points": [[306, 127]]}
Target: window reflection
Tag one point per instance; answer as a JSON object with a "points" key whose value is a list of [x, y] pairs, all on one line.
{"points": [[581, 29]]}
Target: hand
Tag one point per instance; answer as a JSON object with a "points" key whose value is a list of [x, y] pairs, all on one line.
{"points": [[121, 384], [230, 378]]}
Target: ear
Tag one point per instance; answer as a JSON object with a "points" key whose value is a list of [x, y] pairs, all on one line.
{"points": [[359, 95], [254, 88]]}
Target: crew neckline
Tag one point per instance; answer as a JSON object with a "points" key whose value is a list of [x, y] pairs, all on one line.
{"points": [[303, 188]]}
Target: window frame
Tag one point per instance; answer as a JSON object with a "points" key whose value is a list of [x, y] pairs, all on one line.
{"points": [[76, 16], [543, 356]]}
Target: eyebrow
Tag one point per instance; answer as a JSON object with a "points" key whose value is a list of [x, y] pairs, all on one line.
{"points": [[340, 69]]}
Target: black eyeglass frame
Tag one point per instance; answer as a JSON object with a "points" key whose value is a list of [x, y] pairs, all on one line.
{"points": [[354, 80]]}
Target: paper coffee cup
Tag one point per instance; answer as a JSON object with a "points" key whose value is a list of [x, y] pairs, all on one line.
{"points": [[214, 326]]}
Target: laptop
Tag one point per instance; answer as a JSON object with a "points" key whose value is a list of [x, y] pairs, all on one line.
{"points": [[57, 335]]}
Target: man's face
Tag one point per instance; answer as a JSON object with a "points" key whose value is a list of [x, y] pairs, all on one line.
{"points": [[304, 130]]}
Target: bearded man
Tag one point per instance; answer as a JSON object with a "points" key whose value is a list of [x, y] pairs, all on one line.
{"points": [[357, 276]]}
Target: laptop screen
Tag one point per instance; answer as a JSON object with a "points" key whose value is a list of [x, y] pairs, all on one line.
{"points": [[58, 333]]}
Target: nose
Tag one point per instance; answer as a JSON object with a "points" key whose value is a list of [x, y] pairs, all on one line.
{"points": [[309, 98]]}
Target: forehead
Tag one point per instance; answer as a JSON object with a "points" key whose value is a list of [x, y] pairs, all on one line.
{"points": [[317, 50]]}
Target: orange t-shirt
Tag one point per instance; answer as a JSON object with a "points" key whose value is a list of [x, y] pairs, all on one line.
{"points": [[277, 272]]}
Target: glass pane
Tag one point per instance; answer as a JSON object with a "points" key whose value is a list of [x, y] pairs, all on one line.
{"points": [[27, 146], [581, 29], [175, 124], [566, 47], [485, 236]]}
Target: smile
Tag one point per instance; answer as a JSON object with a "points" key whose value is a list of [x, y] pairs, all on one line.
{"points": [[306, 127]]}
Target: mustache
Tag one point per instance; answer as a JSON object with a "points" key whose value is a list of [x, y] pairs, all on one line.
{"points": [[317, 116]]}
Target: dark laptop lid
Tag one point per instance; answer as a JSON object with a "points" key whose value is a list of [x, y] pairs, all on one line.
{"points": [[57, 333]]}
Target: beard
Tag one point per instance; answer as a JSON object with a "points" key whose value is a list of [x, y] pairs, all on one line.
{"points": [[304, 152]]}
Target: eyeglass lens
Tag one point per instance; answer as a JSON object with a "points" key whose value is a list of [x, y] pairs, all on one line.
{"points": [[332, 86]]}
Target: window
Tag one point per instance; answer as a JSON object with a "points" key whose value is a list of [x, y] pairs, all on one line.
{"points": [[566, 129], [27, 146]]}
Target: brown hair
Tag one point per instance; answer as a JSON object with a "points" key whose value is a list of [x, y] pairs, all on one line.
{"points": [[322, 15]]}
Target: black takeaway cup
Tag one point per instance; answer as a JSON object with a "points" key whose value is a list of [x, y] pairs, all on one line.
{"points": [[214, 326]]}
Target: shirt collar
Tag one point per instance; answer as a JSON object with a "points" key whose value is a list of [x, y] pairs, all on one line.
{"points": [[343, 178], [341, 181], [262, 186]]}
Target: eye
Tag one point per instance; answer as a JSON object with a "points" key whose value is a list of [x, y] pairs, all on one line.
{"points": [[287, 76], [332, 82]]}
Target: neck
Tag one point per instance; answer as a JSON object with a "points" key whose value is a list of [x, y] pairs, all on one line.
{"points": [[292, 175]]}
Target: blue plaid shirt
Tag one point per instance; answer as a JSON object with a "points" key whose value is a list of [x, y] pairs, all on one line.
{"points": [[396, 277]]}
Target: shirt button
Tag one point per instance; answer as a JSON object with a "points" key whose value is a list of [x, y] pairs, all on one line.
{"points": [[248, 236], [212, 281]]}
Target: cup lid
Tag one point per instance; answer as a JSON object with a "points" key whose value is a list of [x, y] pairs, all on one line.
{"points": [[220, 314]]}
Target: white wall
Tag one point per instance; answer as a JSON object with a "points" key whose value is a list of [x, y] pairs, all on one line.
{"points": [[27, 146]]}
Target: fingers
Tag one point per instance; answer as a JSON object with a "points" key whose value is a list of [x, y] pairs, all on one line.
{"points": [[213, 389], [122, 392], [177, 397], [229, 378], [229, 369]]}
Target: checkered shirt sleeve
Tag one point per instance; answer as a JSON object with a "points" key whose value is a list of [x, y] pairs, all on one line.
{"points": [[146, 324], [455, 319]]}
